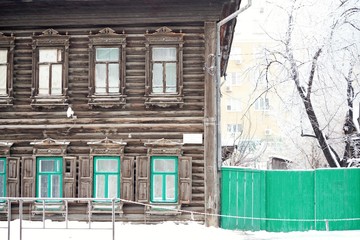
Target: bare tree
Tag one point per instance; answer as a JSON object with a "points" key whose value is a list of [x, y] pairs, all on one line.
{"points": [[308, 75]]}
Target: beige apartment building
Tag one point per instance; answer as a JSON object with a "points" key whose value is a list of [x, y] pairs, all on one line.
{"points": [[249, 114]]}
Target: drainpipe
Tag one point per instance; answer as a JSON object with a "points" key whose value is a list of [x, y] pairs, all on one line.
{"points": [[218, 75]]}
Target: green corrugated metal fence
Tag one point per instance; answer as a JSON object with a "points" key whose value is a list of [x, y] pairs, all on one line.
{"points": [[275, 200]]}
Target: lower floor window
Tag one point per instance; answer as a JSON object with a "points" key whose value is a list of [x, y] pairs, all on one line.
{"points": [[164, 179], [49, 177], [106, 177], [2, 177]]}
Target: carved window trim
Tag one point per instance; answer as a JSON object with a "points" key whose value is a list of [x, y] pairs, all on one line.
{"points": [[164, 37], [8, 43], [49, 147], [107, 38], [50, 39]]}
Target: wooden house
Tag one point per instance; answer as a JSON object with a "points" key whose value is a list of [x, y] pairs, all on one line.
{"points": [[112, 99]]}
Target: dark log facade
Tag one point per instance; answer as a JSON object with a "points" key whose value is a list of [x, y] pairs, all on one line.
{"points": [[132, 123]]}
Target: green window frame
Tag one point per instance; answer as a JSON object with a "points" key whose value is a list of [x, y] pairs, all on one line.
{"points": [[49, 177], [2, 177], [106, 177], [164, 179]]}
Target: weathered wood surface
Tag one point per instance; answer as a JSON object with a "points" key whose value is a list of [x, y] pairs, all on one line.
{"points": [[134, 124]]}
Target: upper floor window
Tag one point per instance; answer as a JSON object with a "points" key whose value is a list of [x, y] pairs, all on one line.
{"points": [[164, 77], [6, 69], [107, 69], [50, 69], [233, 78], [262, 104], [163, 65]]}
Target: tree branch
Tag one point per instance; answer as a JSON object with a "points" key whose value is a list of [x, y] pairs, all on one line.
{"points": [[312, 72]]}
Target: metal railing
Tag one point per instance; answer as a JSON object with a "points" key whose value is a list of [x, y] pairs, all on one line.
{"points": [[63, 203]]}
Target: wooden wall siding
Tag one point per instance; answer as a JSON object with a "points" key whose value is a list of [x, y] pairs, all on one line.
{"points": [[134, 124]]}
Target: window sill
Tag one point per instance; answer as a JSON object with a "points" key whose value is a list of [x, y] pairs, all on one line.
{"points": [[107, 101], [164, 101], [163, 209], [49, 101]]}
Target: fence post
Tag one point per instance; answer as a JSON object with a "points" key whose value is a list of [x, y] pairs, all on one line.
{"points": [[9, 217], [21, 216], [113, 218]]}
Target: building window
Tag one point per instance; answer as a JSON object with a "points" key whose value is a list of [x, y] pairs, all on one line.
{"points": [[234, 128], [106, 177], [3, 71], [233, 104], [164, 78], [107, 69], [262, 104], [2, 177], [164, 179], [233, 79], [163, 65], [6, 69], [50, 70], [49, 177]]}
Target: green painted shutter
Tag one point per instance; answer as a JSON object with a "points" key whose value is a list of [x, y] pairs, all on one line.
{"points": [[28, 174], [185, 170], [13, 172], [142, 179], [127, 178], [86, 177], [69, 172]]}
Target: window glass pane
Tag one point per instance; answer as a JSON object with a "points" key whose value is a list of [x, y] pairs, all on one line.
{"points": [[56, 77], [157, 79], [3, 56], [107, 165], [157, 188], [48, 55], [100, 78], [112, 186], [170, 187], [44, 79], [3, 78], [43, 188], [113, 77], [48, 166], [164, 165], [171, 77], [100, 186], [2, 190], [164, 54], [107, 54], [2, 166], [55, 186]]}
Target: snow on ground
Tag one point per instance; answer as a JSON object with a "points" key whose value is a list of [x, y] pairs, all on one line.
{"points": [[164, 231]]}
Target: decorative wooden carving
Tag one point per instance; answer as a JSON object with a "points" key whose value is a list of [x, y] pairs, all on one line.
{"points": [[49, 147], [107, 147], [9, 44], [5, 148], [164, 36], [164, 147]]}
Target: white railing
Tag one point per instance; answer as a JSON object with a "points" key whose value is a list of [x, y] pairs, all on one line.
{"points": [[43, 208]]}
